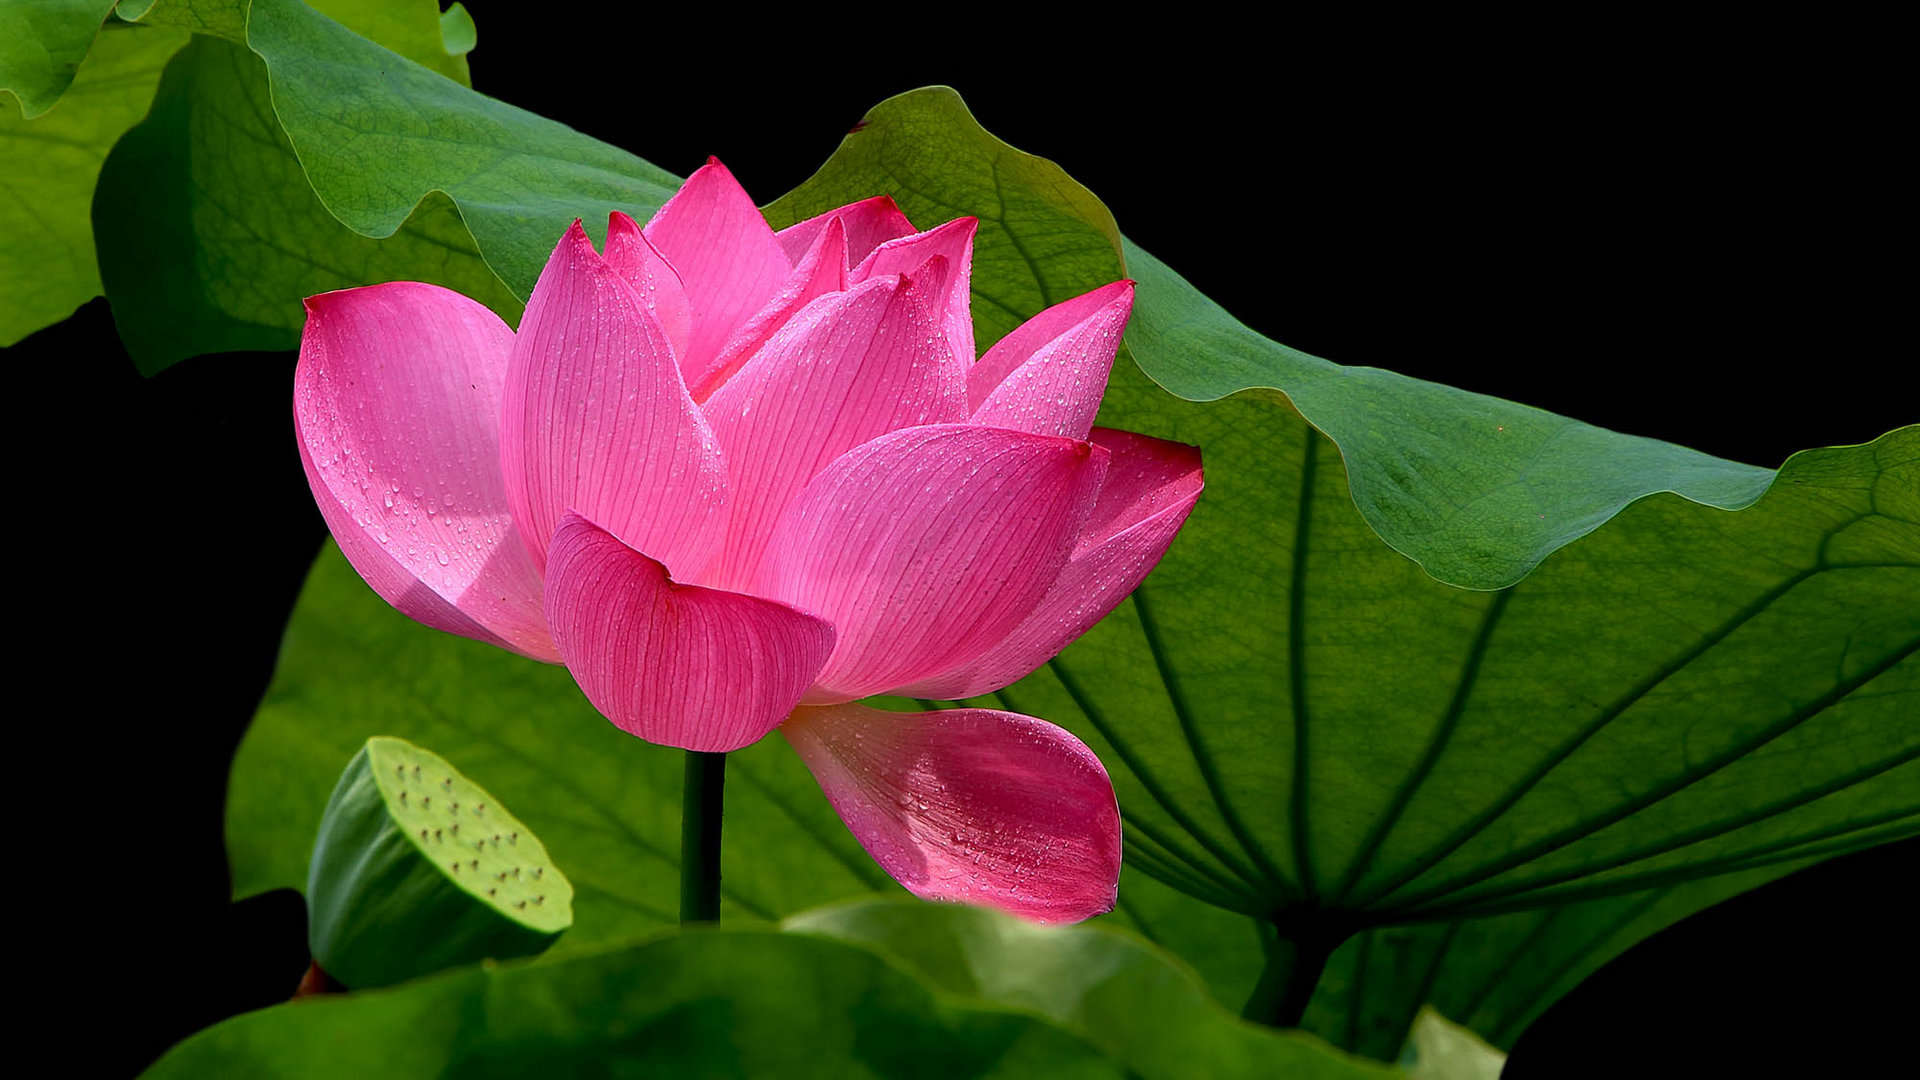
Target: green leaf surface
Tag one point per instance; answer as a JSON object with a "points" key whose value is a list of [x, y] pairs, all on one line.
{"points": [[458, 35], [1682, 692], [42, 43], [377, 137], [315, 158], [1130, 998], [416, 30], [1043, 238], [47, 265], [1475, 489], [1496, 973], [208, 182], [707, 1003], [607, 805], [1443, 1050], [1306, 728]]}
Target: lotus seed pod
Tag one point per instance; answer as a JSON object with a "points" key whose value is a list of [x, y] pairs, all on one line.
{"points": [[416, 869]]}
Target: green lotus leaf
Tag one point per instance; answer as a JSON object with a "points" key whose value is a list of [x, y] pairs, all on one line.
{"points": [[1495, 973], [1307, 729], [47, 263], [707, 1003], [1443, 1050], [209, 180], [1476, 489], [415, 29], [285, 166], [1131, 999], [42, 45]]}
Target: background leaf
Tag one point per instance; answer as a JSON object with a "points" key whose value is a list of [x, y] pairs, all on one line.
{"points": [[42, 43], [47, 264], [374, 148], [1126, 995], [1442, 1050], [1496, 973], [208, 182], [458, 35], [1475, 489], [711, 1003], [316, 158], [1306, 729]]}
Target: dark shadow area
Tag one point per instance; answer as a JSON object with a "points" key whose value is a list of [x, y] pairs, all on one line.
{"points": [[176, 531]]}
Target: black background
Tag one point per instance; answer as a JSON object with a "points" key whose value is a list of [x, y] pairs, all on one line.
{"points": [[1687, 232]]}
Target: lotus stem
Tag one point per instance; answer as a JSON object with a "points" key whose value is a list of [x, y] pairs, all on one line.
{"points": [[1293, 970], [701, 800]]}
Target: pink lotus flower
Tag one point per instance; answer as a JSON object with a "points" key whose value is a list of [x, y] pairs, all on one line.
{"points": [[737, 480]]}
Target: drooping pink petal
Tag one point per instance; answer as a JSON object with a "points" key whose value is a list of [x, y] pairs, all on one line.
{"points": [[848, 368], [396, 410], [653, 280], [954, 241], [725, 254], [971, 805], [822, 269], [1055, 387], [869, 223], [1150, 489], [678, 665], [597, 420], [927, 545]]}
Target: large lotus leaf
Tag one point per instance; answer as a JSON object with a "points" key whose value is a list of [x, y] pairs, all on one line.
{"points": [[1306, 728], [1476, 489], [42, 44], [1495, 973], [47, 265], [209, 181], [384, 145], [710, 1003], [1683, 692], [415, 29], [1093, 979]]}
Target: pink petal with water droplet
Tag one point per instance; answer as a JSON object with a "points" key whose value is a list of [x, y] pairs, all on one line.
{"points": [[954, 242], [1150, 489], [928, 545], [396, 411], [849, 368], [725, 254], [868, 223], [679, 665], [596, 419], [653, 279], [1053, 386], [971, 805], [823, 269]]}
